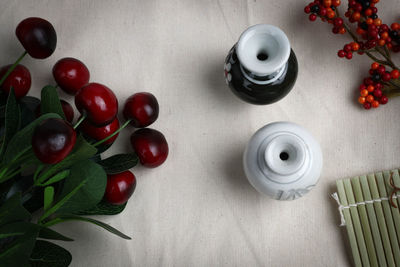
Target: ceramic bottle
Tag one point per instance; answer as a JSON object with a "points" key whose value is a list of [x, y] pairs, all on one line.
{"points": [[261, 68], [283, 161]]}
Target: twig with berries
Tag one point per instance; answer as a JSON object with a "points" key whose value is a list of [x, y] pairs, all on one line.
{"points": [[372, 38]]}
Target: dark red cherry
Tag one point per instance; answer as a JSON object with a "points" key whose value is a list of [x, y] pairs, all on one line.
{"points": [[120, 187], [98, 103], [37, 36], [66, 107], [99, 133], [52, 140], [142, 109], [19, 79], [150, 146], [71, 75]]}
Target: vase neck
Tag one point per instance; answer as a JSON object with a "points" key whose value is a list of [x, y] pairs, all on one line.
{"points": [[264, 79]]}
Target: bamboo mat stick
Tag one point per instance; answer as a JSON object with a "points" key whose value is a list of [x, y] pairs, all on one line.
{"points": [[396, 181], [381, 220], [373, 222], [349, 224], [389, 219], [356, 221], [362, 211], [389, 189]]}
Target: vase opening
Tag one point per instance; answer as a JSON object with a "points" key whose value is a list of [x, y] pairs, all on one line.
{"points": [[284, 156]]}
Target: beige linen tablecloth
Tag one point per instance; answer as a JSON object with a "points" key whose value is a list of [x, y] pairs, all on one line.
{"points": [[198, 208]]}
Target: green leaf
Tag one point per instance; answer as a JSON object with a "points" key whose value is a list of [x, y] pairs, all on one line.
{"points": [[21, 142], [83, 189], [48, 197], [56, 178], [103, 208], [50, 101], [12, 211], [47, 233], [119, 163], [12, 120], [17, 252], [81, 151], [64, 218], [48, 254], [94, 179]]}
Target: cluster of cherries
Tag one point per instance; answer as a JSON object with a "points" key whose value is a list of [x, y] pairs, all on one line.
{"points": [[371, 94], [54, 139]]}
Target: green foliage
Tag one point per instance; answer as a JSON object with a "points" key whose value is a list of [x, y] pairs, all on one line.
{"points": [[103, 208], [48, 254], [119, 163], [51, 102]]}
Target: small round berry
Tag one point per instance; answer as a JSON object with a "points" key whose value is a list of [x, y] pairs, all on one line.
{"points": [[381, 42], [52, 140], [347, 48], [364, 92], [327, 3], [322, 12], [330, 14], [381, 69], [361, 100], [362, 87], [336, 3], [384, 35], [375, 104], [341, 53], [335, 30], [307, 10], [374, 65], [71, 75], [395, 26], [355, 46], [368, 81], [386, 76], [142, 109], [378, 86], [342, 30], [19, 79], [338, 22], [356, 16], [384, 99], [395, 74], [370, 88], [312, 17], [378, 93], [369, 21], [349, 55], [377, 22], [315, 9], [367, 105], [368, 12], [370, 98], [120, 187]]}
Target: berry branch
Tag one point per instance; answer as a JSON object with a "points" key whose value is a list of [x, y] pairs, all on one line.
{"points": [[372, 38]]}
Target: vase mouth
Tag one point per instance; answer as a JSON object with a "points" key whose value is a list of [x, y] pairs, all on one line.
{"points": [[263, 49]]}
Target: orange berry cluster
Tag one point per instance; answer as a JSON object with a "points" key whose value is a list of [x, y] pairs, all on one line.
{"points": [[371, 90], [325, 9]]}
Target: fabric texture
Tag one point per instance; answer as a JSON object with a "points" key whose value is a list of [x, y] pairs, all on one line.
{"points": [[198, 209]]}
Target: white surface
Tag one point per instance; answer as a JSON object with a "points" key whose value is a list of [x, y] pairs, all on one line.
{"points": [[198, 208], [263, 39], [283, 179]]}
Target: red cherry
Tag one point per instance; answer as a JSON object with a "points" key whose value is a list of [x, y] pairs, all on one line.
{"points": [[142, 109], [377, 93], [307, 10], [384, 99], [52, 140], [367, 105], [341, 53], [150, 146], [71, 75], [386, 76], [19, 79], [381, 70], [99, 133], [312, 17], [68, 110], [349, 55], [120, 187], [37, 36], [98, 103]]}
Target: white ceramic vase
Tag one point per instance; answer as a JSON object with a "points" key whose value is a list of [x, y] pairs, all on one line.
{"points": [[283, 161]]}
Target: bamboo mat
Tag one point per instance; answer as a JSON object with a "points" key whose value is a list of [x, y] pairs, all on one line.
{"points": [[371, 221]]}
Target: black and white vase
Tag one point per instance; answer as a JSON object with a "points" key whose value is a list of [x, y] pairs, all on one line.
{"points": [[261, 68]]}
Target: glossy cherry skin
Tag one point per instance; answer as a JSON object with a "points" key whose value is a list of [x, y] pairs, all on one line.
{"points": [[142, 109], [99, 133], [66, 107], [98, 103], [71, 75], [120, 187], [37, 36], [19, 79], [52, 140], [151, 147]]}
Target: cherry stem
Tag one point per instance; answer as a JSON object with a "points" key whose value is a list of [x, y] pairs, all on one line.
{"points": [[79, 121], [114, 133], [12, 68]]}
